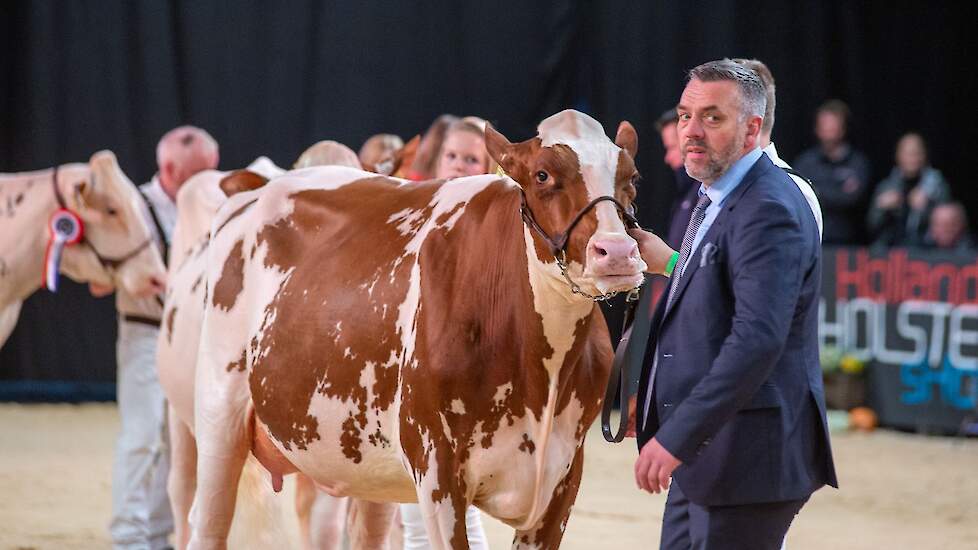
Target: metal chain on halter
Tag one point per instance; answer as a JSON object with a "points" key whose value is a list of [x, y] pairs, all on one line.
{"points": [[576, 288]]}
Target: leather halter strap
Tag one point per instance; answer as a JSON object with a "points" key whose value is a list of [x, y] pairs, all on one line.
{"points": [[111, 264], [558, 243]]}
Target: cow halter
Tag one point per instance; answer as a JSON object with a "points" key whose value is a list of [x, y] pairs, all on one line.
{"points": [[62, 215], [558, 244]]}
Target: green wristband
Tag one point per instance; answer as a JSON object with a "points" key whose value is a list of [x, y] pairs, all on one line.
{"points": [[672, 264]]}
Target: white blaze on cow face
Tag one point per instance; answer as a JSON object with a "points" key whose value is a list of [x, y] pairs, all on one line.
{"points": [[613, 261]]}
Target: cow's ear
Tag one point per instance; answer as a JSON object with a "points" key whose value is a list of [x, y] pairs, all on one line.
{"points": [[83, 192], [627, 138], [501, 150], [240, 181], [404, 157]]}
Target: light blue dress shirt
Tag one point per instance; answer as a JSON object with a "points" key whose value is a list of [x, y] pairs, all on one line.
{"points": [[718, 193]]}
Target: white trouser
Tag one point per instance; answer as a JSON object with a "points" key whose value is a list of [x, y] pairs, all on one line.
{"points": [[416, 538], [141, 517]]}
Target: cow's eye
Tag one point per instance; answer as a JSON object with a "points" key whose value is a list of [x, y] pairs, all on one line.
{"points": [[111, 211], [542, 176]]}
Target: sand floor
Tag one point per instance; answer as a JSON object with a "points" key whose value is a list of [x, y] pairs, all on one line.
{"points": [[899, 491]]}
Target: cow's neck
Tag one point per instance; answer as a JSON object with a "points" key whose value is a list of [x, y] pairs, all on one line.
{"points": [[27, 201], [559, 309], [561, 313]]}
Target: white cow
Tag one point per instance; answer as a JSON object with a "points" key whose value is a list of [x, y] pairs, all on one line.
{"points": [[117, 247]]}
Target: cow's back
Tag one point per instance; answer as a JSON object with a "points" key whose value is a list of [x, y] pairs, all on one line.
{"points": [[314, 293]]}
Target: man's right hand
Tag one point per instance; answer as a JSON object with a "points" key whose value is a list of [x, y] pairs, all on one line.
{"points": [[655, 252]]}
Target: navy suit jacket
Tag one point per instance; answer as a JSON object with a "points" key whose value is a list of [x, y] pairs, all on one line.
{"points": [[738, 390]]}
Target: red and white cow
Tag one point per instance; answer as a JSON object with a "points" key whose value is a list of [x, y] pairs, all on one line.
{"points": [[197, 203], [117, 247], [406, 342]]}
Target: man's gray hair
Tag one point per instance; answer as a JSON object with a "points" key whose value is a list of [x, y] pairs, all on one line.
{"points": [[753, 100]]}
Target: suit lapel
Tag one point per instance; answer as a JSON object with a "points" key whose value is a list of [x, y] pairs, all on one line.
{"points": [[716, 229]]}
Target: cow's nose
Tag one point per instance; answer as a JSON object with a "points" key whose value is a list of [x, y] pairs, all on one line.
{"points": [[613, 251]]}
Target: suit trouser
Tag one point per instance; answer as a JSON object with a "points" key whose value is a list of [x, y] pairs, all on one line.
{"points": [[141, 517], [689, 526]]}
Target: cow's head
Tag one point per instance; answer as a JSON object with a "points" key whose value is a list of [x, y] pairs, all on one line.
{"points": [[562, 171], [118, 248]]}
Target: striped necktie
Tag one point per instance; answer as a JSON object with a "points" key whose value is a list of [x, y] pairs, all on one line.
{"points": [[695, 220]]}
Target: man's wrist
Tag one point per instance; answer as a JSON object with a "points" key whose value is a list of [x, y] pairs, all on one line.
{"points": [[671, 265]]}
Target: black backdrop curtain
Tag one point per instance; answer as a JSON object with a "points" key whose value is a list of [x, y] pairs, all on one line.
{"points": [[270, 78]]}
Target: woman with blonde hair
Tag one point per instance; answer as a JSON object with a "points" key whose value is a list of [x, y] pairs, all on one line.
{"points": [[463, 150]]}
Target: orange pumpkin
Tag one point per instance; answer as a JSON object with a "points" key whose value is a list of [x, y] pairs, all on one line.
{"points": [[863, 419]]}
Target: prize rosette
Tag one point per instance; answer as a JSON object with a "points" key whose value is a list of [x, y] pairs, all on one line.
{"points": [[65, 228]]}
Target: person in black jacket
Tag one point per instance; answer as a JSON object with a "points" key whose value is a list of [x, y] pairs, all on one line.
{"points": [[840, 173]]}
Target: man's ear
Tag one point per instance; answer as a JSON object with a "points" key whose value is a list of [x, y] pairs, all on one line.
{"points": [[753, 131], [500, 149], [627, 138], [168, 173]]}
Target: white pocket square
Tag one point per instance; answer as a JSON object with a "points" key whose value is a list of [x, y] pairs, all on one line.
{"points": [[709, 254]]}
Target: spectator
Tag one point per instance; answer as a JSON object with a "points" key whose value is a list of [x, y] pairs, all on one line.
{"points": [[687, 188], [764, 138], [423, 166], [463, 150], [903, 202], [949, 228], [329, 153], [141, 515], [840, 175]]}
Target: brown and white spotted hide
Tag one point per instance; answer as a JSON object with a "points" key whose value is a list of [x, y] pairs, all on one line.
{"points": [[398, 341]]}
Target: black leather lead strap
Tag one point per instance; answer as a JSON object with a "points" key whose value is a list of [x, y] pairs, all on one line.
{"points": [[627, 365], [559, 242], [138, 319]]}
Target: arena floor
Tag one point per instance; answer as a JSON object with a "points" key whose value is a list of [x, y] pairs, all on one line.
{"points": [[899, 491]]}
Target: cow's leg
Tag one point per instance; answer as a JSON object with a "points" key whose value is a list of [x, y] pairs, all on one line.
{"points": [[550, 529], [183, 477], [305, 494], [321, 516], [443, 510], [369, 524], [223, 427]]}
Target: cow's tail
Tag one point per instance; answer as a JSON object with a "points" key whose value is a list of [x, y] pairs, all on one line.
{"points": [[260, 521]]}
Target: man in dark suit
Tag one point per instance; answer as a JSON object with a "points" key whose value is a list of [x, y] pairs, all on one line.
{"points": [[730, 404]]}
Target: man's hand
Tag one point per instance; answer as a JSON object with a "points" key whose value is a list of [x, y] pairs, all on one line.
{"points": [[654, 467], [654, 251], [100, 291]]}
